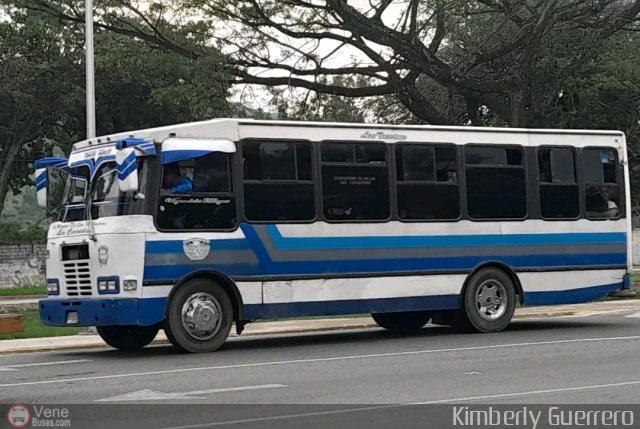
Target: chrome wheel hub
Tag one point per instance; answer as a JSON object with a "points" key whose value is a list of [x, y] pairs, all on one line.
{"points": [[491, 300], [201, 316]]}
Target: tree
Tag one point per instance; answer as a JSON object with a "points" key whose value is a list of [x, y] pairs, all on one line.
{"points": [[138, 85], [315, 106], [36, 75], [496, 58]]}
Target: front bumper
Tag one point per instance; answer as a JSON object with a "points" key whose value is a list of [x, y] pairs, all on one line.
{"points": [[102, 312]]}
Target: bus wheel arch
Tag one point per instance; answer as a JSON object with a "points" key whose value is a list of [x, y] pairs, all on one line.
{"points": [[498, 265], [487, 300], [226, 283], [199, 315]]}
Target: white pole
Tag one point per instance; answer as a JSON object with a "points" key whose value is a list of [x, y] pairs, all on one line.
{"points": [[90, 90]]}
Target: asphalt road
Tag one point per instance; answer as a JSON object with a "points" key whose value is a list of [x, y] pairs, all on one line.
{"points": [[563, 360]]}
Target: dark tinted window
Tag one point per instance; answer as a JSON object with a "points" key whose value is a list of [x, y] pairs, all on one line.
{"points": [[427, 182], [559, 194], [337, 152], [368, 153], [495, 179], [603, 199], [212, 173], [209, 204], [490, 155], [359, 188], [418, 163], [277, 181]]}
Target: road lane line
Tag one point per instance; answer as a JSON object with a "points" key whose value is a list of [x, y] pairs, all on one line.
{"points": [[327, 359], [29, 365], [153, 395], [413, 404]]}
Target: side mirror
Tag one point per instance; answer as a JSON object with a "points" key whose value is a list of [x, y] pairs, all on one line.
{"points": [[41, 186], [127, 169]]}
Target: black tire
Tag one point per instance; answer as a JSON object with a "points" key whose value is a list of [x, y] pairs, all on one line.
{"points": [[480, 311], [218, 305], [405, 321], [128, 338]]}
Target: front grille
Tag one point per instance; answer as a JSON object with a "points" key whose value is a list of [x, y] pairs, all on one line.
{"points": [[77, 277]]}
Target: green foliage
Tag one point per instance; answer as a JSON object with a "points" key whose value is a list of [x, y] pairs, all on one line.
{"points": [[24, 290], [138, 84], [22, 233]]}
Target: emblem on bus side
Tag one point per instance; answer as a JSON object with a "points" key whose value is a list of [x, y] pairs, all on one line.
{"points": [[196, 249]]}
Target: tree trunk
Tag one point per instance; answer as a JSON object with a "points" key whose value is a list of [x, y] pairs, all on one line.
{"points": [[517, 113], [6, 166]]}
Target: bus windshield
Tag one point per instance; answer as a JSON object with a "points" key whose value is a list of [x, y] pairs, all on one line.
{"points": [[106, 197], [72, 201]]}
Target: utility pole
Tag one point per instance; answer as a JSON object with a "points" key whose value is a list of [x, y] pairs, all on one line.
{"points": [[90, 86]]}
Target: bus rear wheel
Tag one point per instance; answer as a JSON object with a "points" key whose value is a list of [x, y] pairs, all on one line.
{"points": [[404, 321], [489, 302], [127, 338], [199, 317]]}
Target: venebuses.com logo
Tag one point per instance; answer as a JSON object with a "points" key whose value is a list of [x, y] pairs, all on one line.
{"points": [[21, 416], [18, 416]]}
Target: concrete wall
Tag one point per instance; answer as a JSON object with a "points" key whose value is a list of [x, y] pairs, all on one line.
{"points": [[22, 265]]}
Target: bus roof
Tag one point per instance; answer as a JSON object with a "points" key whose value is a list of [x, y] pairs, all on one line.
{"points": [[231, 128]]}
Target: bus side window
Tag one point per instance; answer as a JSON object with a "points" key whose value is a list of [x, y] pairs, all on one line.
{"points": [[601, 184], [427, 178], [495, 182], [355, 181], [559, 193], [277, 181], [207, 204]]}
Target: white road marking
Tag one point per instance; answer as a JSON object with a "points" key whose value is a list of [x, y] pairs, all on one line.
{"points": [[382, 407], [313, 360], [153, 395], [30, 365], [634, 315]]}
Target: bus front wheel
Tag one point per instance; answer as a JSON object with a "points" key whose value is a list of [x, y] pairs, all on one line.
{"points": [[489, 302], [404, 321], [199, 317], [127, 338]]}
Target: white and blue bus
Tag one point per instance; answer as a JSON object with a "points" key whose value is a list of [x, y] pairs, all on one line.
{"points": [[194, 227]]}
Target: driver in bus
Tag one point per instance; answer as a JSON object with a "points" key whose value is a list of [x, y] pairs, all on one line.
{"points": [[174, 181]]}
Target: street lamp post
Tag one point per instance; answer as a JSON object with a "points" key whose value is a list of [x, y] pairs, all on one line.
{"points": [[90, 86]]}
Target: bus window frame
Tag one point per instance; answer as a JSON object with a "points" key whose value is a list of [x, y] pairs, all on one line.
{"points": [[527, 173], [390, 178], [577, 165], [239, 174], [232, 163], [459, 183], [620, 183]]}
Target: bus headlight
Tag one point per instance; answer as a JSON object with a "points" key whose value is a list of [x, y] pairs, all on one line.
{"points": [[108, 285], [130, 285]]}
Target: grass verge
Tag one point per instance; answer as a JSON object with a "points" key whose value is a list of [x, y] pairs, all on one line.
{"points": [[29, 290], [34, 328]]}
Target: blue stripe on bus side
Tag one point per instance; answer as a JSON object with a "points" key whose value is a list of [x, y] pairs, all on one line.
{"points": [[352, 306], [175, 246], [268, 267], [570, 296], [317, 243]]}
